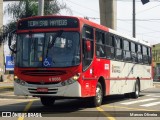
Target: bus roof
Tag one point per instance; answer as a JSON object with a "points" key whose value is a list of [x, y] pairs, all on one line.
{"points": [[115, 32], [130, 38]]}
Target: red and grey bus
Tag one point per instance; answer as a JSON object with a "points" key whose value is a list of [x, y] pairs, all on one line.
{"points": [[66, 56]]}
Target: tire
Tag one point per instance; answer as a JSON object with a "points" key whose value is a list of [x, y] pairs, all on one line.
{"points": [[47, 101], [135, 94], [97, 100]]}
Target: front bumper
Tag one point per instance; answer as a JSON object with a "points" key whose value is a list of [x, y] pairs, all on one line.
{"points": [[72, 90]]}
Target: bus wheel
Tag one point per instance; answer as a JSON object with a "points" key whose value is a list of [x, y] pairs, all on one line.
{"points": [[135, 94], [47, 101], [99, 95]]}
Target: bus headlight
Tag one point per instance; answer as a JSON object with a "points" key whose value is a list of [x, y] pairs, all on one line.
{"points": [[17, 80], [71, 80]]}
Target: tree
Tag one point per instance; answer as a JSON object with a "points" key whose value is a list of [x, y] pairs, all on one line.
{"points": [[28, 8]]}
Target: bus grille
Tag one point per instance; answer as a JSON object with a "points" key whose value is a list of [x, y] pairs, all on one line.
{"points": [[39, 83], [43, 72]]}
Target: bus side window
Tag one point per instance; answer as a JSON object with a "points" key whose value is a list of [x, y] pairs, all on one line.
{"points": [[88, 48], [126, 50], [118, 48], [87, 32], [133, 52], [109, 46], [145, 55], [100, 51], [139, 53], [149, 55]]}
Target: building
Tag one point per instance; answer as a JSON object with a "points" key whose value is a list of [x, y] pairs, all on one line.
{"points": [[156, 60]]}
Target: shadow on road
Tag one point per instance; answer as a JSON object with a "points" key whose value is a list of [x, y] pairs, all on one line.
{"points": [[66, 107]]}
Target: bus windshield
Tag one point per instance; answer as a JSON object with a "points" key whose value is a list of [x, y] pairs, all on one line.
{"points": [[33, 49]]}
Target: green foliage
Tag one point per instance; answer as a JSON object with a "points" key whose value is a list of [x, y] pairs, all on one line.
{"points": [[22, 9], [5, 30]]}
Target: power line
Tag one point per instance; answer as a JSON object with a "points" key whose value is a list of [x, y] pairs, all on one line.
{"points": [[123, 20], [142, 27], [117, 0], [82, 6], [147, 9], [139, 19], [149, 33], [131, 19]]}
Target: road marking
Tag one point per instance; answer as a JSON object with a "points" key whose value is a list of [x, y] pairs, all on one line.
{"points": [[105, 113], [6, 87], [138, 101], [150, 95], [6, 95], [153, 95], [150, 104], [109, 106], [8, 99], [26, 109]]}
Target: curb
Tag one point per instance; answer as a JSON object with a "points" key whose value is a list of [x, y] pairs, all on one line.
{"points": [[156, 84], [6, 85], [6, 88], [16, 97], [4, 95]]}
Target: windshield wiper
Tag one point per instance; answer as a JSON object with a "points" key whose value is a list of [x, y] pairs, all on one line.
{"points": [[51, 43]]}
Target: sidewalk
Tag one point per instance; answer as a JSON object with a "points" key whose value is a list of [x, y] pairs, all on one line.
{"points": [[156, 84], [6, 86]]}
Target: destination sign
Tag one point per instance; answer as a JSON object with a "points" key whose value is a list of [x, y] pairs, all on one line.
{"points": [[48, 23]]}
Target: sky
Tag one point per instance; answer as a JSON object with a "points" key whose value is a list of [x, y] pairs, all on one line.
{"points": [[147, 16]]}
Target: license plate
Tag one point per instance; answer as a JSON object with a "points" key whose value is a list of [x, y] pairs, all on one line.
{"points": [[42, 89]]}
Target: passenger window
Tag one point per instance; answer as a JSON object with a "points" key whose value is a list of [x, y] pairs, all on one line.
{"points": [[126, 51], [145, 55], [100, 50], [139, 53], [109, 48], [88, 48], [133, 52], [118, 42], [118, 48], [87, 32], [149, 55]]}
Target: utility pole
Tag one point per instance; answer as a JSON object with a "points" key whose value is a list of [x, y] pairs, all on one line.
{"points": [[134, 19], [40, 7], [134, 15], [108, 13]]}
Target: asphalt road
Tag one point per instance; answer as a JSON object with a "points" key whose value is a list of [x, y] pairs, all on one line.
{"points": [[116, 107]]}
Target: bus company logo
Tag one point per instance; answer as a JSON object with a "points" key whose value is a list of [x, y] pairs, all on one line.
{"points": [[55, 79], [116, 69], [42, 82]]}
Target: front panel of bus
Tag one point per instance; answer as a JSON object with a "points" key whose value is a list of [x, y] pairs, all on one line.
{"points": [[48, 57]]}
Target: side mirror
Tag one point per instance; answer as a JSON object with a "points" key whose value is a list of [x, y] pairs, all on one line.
{"points": [[9, 40], [11, 37], [88, 45]]}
